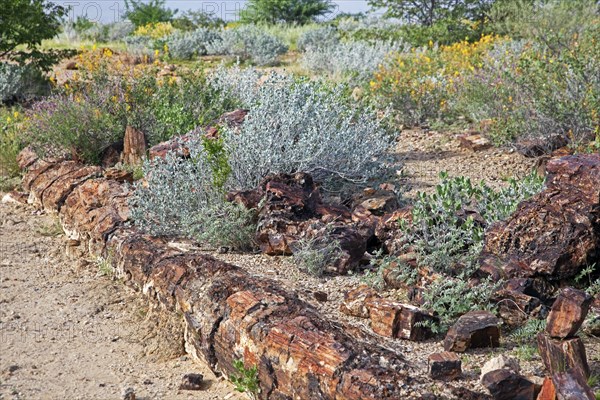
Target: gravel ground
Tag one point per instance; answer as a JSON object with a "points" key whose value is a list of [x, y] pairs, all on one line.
{"points": [[69, 332]]}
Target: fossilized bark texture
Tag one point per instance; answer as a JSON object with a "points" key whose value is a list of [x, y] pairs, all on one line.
{"points": [[228, 313], [554, 233]]}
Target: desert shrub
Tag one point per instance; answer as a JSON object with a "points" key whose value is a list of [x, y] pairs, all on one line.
{"points": [[300, 126], [369, 28], [450, 297], [248, 42], [314, 255], [187, 45], [12, 123], [118, 30], [446, 235], [155, 30], [326, 36], [527, 89], [289, 34], [21, 83], [448, 226], [357, 59], [62, 124], [139, 45], [191, 20], [421, 85], [158, 106], [180, 197]]}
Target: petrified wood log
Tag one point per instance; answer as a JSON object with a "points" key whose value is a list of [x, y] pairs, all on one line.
{"points": [[444, 366], [231, 315], [228, 313], [568, 313], [554, 233], [505, 384], [559, 355], [571, 385], [134, 146], [474, 329]]}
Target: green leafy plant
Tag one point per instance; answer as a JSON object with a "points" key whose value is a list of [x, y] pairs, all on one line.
{"points": [[245, 379], [288, 11], [523, 334], [144, 13], [25, 23]]}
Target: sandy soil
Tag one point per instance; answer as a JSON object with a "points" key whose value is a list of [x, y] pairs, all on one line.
{"points": [[69, 332]]}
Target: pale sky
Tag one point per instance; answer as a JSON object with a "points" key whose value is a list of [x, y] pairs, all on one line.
{"points": [[111, 10]]}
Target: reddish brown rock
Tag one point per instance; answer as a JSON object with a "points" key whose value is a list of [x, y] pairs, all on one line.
{"points": [[474, 329], [568, 313], [26, 158], [444, 366], [474, 142], [118, 175], [385, 316], [72, 65], [355, 301], [571, 385], [559, 355], [504, 384], [555, 233], [134, 147], [396, 320], [535, 147], [518, 300], [111, 155], [387, 230], [548, 392]]}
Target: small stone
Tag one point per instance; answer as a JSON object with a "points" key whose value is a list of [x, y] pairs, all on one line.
{"points": [[191, 382], [354, 303], [568, 313], [129, 394], [223, 250], [320, 296], [504, 384], [444, 366], [500, 362], [474, 329]]}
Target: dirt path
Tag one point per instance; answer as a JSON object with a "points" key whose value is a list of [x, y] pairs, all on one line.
{"points": [[69, 332]]}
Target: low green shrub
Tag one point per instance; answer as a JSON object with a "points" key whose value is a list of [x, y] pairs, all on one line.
{"points": [[314, 255], [446, 235], [80, 129], [12, 123]]}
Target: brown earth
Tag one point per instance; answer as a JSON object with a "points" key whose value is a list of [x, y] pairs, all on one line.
{"points": [[67, 331]]}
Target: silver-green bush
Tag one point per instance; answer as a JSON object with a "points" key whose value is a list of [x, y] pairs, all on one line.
{"points": [[323, 37], [248, 42], [180, 198], [300, 126], [19, 83], [189, 44], [359, 59]]}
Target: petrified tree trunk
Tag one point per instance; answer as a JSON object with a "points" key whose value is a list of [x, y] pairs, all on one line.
{"points": [[559, 355], [554, 233], [134, 147], [571, 385]]}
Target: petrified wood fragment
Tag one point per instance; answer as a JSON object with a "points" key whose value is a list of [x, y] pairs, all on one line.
{"points": [[559, 355], [568, 313], [474, 329]]}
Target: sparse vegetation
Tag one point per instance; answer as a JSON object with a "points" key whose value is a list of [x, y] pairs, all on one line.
{"points": [[245, 379]]}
